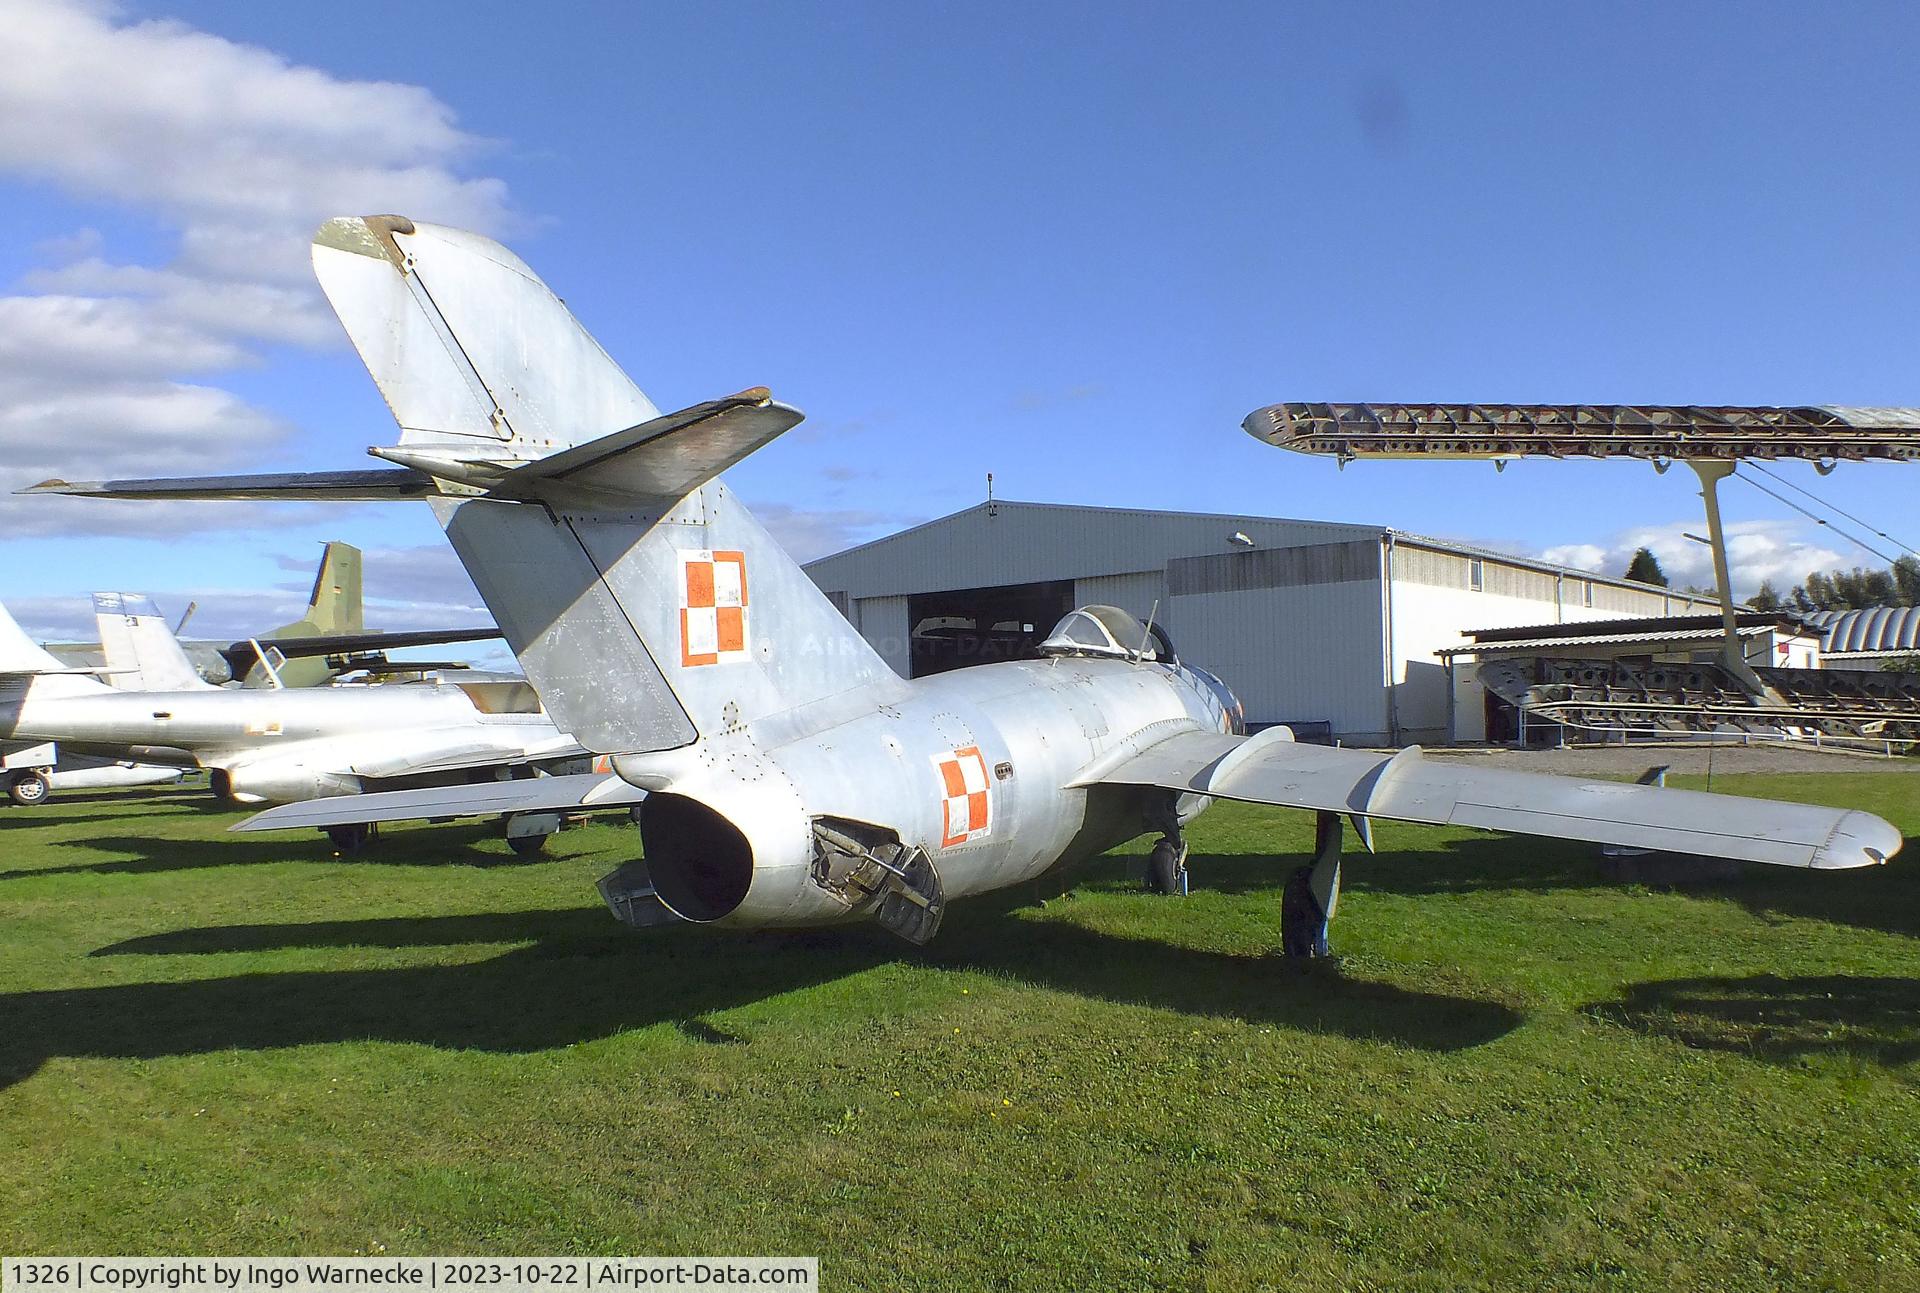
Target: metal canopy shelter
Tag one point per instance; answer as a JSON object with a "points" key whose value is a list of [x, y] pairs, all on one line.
{"points": [[1660, 433], [1710, 439]]}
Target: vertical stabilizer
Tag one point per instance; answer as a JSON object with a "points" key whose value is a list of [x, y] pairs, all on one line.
{"points": [[142, 652], [20, 653], [335, 605], [642, 599], [469, 347]]}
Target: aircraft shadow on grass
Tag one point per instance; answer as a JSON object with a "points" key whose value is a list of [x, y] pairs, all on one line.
{"points": [[1876, 1019], [1886, 898], [1457, 866], [581, 977], [446, 846], [113, 806]]}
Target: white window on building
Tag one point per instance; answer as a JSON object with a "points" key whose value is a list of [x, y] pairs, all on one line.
{"points": [[1586, 592], [1476, 574]]}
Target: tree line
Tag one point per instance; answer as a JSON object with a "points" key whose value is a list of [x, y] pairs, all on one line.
{"points": [[1846, 590], [1832, 590]]}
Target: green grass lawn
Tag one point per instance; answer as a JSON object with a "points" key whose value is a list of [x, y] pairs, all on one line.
{"points": [[1516, 1076]]}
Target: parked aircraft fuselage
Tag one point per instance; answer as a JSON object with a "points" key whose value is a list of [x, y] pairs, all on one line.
{"points": [[270, 744], [1020, 731]]}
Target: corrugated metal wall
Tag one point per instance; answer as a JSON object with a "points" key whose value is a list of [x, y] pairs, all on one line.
{"points": [[1137, 593], [1296, 567], [1304, 654], [882, 621], [1413, 563]]}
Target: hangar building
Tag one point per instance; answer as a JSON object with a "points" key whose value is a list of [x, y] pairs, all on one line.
{"points": [[1328, 626]]}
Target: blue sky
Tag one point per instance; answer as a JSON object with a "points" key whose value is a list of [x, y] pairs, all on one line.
{"points": [[1072, 245]]}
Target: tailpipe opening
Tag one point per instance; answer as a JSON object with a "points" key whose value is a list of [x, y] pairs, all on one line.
{"points": [[700, 863]]}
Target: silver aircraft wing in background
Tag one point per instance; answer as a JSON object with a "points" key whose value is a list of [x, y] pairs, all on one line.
{"points": [[575, 792], [1270, 768]]}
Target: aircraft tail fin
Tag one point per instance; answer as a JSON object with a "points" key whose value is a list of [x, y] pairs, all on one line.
{"points": [[613, 559], [335, 605], [142, 652], [21, 656], [468, 346], [20, 653]]}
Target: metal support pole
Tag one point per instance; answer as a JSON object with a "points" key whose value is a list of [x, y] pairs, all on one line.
{"points": [[1711, 472]]}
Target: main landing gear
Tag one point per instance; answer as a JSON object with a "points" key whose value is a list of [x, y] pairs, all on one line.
{"points": [[1313, 892], [353, 839], [29, 789], [1167, 863]]}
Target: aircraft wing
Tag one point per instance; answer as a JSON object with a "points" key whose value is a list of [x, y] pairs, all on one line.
{"points": [[373, 484], [240, 656], [1270, 768], [459, 758], [579, 792]]}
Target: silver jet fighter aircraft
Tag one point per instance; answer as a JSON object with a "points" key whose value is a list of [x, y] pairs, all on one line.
{"points": [[30, 771], [790, 777], [269, 746]]}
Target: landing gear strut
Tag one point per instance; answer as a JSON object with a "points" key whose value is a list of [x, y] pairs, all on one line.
{"points": [[1313, 892], [1167, 864], [354, 838]]}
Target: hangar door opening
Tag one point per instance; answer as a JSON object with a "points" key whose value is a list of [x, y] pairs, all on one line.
{"points": [[968, 626]]}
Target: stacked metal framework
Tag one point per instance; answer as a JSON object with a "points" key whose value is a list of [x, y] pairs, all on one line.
{"points": [[1658, 433], [1653, 699], [1642, 696]]}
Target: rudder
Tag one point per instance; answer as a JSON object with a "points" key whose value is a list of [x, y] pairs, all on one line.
{"points": [[335, 605], [142, 652]]}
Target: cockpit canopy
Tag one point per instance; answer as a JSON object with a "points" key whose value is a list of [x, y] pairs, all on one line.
{"points": [[1102, 631]]}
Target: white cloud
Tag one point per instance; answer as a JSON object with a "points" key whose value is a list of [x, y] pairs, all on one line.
{"points": [[240, 154], [158, 115], [404, 588], [61, 341], [809, 533], [1756, 551]]}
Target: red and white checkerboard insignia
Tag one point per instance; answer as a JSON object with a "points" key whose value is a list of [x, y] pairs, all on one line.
{"points": [[966, 806], [713, 606]]}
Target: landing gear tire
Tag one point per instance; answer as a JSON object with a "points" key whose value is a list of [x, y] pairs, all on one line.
{"points": [[353, 839], [527, 846], [30, 789], [1164, 867]]}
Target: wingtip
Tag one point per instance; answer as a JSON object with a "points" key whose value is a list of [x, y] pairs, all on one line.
{"points": [[1861, 839]]}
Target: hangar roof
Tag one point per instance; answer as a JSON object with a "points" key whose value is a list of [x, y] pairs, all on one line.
{"points": [[1663, 630], [1889, 629], [990, 544], [993, 544], [1562, 640], [1634, 627]]}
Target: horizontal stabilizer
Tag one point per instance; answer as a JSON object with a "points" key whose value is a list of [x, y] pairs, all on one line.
{"points": [[372, 485], [667, 457], [1269, 768], [579, 792]]}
